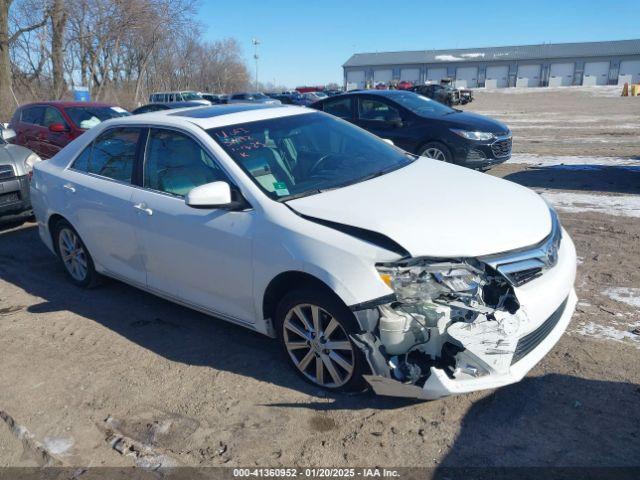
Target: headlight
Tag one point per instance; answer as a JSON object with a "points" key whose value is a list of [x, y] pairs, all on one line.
{"points": [[30, 161], [424, 282], [473, 135]]}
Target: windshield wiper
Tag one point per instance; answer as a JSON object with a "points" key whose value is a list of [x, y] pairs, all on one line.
{"points": [[299, 195]]}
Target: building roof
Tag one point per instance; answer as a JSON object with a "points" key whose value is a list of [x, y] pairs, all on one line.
{"points": [[517, 52]]}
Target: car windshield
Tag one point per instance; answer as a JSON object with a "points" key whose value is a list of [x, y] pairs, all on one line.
{"points": [[87, 117], [186, 96], [421, 105], [257, 96], [299, 155]]}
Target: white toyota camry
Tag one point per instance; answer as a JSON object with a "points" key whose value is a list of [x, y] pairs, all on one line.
{"points": [[370, 265]]}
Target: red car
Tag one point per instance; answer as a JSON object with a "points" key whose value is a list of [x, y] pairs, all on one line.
{"points": [[46, 127]]}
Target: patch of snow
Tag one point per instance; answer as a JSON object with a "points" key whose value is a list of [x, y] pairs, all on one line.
{"points": [[607, 332], [617, 205], [58, 445], [448, 58], [473, 55], [630, 296], [552, 161]]}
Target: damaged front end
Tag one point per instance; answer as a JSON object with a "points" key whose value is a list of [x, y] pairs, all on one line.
{"points": [[450, 322]]}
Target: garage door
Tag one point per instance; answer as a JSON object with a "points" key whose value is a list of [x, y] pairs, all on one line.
{"points": [[561, 74], [629, 71], [596, 73], [382, 76], [497, 77], [434, 75], [467, 77], [355, 79], [410, 75], [528, 76]]}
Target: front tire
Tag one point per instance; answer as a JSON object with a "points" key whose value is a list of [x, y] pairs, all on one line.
{"points": [[75, 258], [314, 328], [436, 151]]}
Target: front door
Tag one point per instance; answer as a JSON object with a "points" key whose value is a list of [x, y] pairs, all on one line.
{"points": [[383, 119], [53, 142], [200, 256]]}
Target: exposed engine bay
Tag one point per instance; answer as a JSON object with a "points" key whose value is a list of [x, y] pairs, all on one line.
{"points": [[458, 316]]}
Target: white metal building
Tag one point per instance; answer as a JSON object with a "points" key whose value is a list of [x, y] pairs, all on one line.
{"points": [[560, 64]]}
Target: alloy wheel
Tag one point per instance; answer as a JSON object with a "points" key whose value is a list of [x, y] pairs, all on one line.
{"points": [[73, 254], [318, 345], [434, 153]]}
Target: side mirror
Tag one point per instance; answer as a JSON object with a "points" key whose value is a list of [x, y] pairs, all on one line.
{"points": [[57, 128], [215, 195], [7, 134]]}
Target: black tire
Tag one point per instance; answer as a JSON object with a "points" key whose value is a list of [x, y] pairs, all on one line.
{"points": [[448, 157], [91, 278], [335, 308]]}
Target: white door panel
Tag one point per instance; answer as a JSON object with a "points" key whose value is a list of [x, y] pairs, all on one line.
{"points": [[528, 76], [201, 256], [410, 75], [467, 77], [382, 76], [106, 221], [596, 73], [561, 74], [629, 72], [497, 77], [434, 75], [355, 79]]}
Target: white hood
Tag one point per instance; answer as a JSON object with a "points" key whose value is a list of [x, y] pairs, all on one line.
{"points": [[436, 209]]}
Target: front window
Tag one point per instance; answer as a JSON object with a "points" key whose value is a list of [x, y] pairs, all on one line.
{"points": [[376, 110], [175, 163], [87, 117], [421, 105], [304, 154], [188, 96]]}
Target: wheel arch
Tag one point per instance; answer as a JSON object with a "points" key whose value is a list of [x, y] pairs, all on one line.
{"points": [[283, 283]]}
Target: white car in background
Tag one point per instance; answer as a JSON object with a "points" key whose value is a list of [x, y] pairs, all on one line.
{"points": [[370, 265]]}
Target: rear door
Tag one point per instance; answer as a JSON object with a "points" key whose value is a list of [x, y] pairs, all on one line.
{"points": [[385, 119], [31, 129], [202, 257], [99, 190], [341, 107]]}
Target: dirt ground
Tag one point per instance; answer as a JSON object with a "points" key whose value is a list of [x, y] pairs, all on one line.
{"points": [[114, 376]]}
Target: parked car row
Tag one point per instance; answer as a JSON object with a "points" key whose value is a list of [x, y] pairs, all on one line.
{"points": [[372, 266]]}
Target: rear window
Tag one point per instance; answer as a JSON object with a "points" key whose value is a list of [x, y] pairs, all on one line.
{"points": [[34, 115], [87, 117]]}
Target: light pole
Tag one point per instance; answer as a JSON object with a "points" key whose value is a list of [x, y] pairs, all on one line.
{"points": [[255, 43]]}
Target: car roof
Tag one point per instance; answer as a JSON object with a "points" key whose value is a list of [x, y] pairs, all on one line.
{"points": [[64, 103], [214, 116]]}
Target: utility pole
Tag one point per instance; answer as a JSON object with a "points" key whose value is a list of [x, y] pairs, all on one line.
{"points": [[255, 43]]}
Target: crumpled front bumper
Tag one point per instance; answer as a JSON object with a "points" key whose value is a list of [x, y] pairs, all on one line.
{"points": [[440, 385]]}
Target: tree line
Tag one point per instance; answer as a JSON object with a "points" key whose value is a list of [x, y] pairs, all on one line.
{"points": [[121, 49]]}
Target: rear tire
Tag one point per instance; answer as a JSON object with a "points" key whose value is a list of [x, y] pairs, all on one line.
{"points": [[314, 328], [74, 256]]}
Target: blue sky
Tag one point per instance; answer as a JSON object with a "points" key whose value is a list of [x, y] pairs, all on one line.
{"points": [[305, 42]]}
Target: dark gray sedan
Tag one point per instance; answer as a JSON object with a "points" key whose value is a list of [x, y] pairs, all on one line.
{"points": [[16, 166]]}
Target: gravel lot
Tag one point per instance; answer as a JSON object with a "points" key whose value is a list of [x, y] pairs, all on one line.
{"points": [[115, 376]]}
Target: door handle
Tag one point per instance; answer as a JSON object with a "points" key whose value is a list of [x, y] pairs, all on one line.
{"points": [[69, 188], [143, 208]]}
